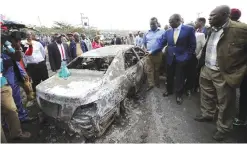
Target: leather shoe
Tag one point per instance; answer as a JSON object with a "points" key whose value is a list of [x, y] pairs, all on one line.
{"points": [[179, 100], [23, 135], [166, 94], [201, 118], [149, 88], [188, 93], [219, 136], [157, 85]]}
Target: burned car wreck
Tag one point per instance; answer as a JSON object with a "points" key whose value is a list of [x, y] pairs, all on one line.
{"points": [[89, 100]]}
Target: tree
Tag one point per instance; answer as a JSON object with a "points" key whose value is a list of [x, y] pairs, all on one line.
{"points": [[64, 27]]}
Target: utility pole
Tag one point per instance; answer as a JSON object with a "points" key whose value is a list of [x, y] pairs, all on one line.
{"points": [[198, 14], [39, 21], [82, 20]]}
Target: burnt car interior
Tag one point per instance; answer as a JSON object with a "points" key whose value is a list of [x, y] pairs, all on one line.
{"points": [[141, 53], [130, 58], [98, 64]]}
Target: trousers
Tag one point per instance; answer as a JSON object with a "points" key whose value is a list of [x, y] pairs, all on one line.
{"points": [[216, 92], [9, 112], [243, 100], [38, 72], [153, 68], [176, 70]]}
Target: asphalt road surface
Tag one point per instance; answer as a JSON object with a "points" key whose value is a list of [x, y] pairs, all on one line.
{"points": [[149, 117]]}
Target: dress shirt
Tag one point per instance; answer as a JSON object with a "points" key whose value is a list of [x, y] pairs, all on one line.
{"points": [[89, 44], [200, 42], [139, 42], [211, 49], [78, 49], [38, 53], [150, 38], [176, 33], [62, 51]]}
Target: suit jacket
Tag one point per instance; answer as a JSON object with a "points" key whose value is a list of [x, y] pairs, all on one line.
{"points": [[72, 48], [55, 56], [183, 49], [231, 53], [118, 41]]}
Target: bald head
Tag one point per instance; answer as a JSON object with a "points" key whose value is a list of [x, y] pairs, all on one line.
{"points": [[76, 36], [219, 16], [30, 35], [83, 36], [175, 20]]}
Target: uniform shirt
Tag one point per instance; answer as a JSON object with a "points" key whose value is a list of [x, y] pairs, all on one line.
{"points": [[150, 38], [37, 55]]}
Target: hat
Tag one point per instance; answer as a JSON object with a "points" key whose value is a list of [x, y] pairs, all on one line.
{"points": [[69, 34], [236, 13], [57, 35]]}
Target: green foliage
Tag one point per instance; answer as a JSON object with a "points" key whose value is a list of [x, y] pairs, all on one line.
{"points": [[65, 28]]}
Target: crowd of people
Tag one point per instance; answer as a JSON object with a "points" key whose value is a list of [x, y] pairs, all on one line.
{"points": [[213, 60], [197, 59]]}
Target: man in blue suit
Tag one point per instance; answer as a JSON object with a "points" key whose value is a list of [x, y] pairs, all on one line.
{"points": [[181, 43]]}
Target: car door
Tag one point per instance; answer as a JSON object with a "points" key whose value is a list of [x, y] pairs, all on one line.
{"points": [[142, 56], [131, 69], [135, 69]]}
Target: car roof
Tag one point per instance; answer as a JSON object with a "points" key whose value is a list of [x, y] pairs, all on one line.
{"points": [[108, 51]]}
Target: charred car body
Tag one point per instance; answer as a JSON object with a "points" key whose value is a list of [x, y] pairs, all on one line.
{"points": [[90, 99]]}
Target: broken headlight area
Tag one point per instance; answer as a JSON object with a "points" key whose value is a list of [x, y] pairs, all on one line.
{"points": [[82, 120]]}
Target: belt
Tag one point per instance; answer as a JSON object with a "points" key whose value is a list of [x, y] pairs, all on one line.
{"points": [[36, 63]]}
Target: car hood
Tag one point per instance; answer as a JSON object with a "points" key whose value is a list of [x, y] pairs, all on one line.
{"points": [[79, 88]]}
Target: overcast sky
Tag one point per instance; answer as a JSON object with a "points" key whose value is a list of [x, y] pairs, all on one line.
{"points": [[113, 14]]}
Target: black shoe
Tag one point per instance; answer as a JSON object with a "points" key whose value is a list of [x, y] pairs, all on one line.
{"points": [[149, 88], [23, 135], [219, 136], [238, 122], [157, 85], [179, 100], [166, 94], [188, 93], [28, 119], [200, 118]]}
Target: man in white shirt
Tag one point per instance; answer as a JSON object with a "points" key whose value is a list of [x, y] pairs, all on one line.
{"points": [[36, 60], [87, 42]]}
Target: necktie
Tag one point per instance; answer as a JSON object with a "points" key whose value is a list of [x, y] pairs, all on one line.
{"points": [[175, 35], [62, 52]]}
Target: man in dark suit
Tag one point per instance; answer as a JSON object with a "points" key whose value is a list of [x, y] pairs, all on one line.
{"points": [[58, 52], [181, 44], [116, 40]]}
